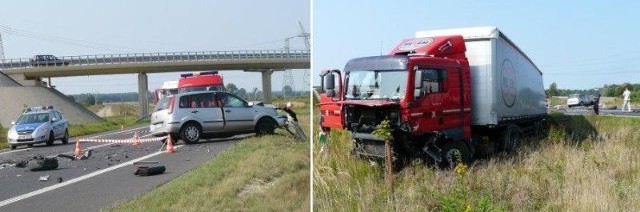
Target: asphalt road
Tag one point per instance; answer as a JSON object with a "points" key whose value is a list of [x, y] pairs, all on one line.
{"points": [[100, 181]]}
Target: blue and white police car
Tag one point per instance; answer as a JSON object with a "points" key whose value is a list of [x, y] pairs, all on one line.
{"points": [[38, 125]]}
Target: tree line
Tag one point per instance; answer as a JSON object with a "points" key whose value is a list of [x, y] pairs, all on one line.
{"points": [[253, 95]]}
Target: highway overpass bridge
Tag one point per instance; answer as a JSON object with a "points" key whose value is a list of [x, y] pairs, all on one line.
{"points": [[23, 72]]}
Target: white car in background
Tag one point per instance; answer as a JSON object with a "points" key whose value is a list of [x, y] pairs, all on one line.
{"points": [[578, 100]]}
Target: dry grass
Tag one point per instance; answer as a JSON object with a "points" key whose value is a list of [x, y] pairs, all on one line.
{"points": [[266, 173], [584, 164]]}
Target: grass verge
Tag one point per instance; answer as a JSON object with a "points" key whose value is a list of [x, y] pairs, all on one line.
{"points": [[109, 123], [584, 163], [268, 173]]}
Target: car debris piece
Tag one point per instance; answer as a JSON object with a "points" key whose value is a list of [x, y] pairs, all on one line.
{"points": [[59, 179], [148, 171], [84, 156], [42, 163], [44, 178], [145, 162]]}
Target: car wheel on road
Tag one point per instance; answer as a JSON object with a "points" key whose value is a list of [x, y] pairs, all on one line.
{"points": [[265, 126], [65, 139], [190, 133], [51, 139]]}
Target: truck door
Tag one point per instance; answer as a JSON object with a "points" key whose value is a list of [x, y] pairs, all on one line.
{"points": [[430, 89], [330, 111]]}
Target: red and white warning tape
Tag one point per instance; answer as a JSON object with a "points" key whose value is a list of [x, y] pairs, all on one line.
{"points": [[122, 141]]}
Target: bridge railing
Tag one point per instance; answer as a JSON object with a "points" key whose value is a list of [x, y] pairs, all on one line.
{"points": [[163, 57]]}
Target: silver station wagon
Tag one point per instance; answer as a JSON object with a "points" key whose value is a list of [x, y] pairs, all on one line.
{"points": [[194, 115]]}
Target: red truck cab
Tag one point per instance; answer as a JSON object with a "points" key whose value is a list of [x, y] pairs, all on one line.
{"points": [[441, 99], [200, 81]]}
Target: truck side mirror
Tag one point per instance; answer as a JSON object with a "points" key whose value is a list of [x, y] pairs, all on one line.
{"points": [[417, 83], [329, 82]]}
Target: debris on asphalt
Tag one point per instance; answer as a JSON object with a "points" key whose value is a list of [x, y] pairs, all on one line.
{"points": [[145, 162], [41, 163], [84, 156], [148, 171], [44, 178], [59, 179]]}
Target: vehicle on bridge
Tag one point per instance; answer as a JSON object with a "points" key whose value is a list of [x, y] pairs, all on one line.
{"points": [[47, 60], [194, 115], [38, 125]]}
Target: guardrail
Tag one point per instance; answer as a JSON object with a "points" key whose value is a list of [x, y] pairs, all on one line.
{"points": [[166, 57]]}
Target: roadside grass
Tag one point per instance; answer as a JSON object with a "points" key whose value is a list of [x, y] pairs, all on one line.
{"points": [[109, 123], [3, 138], [584, 163], [267, 173]]}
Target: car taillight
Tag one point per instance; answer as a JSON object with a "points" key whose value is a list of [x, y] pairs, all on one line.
{"points": [[173, 100]]}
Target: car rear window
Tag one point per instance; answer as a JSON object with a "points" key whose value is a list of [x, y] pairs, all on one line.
{"points": [[162, 104]]}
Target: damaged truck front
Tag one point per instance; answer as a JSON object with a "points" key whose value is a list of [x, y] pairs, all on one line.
{"points": [[441, 105]]}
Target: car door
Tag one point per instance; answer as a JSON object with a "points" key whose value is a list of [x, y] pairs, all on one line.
{"points": [[238, 115], [200, 108]]}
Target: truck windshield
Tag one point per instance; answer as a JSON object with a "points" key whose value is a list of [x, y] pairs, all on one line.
{"points": [[376, 84]]}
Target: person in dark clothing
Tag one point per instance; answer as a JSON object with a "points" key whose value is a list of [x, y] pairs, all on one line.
{"points": [[596, 102]]}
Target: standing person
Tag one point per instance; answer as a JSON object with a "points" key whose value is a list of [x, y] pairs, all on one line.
{"points": [[596, 102], [626, 94]]}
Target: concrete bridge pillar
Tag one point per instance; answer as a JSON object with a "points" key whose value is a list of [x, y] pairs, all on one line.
{"points": [[266, 83], [266, 86], [143, 100]]}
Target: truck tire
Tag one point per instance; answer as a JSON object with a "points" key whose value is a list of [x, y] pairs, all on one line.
{"points": [[510, 139], [191, 133], [454, 152]]}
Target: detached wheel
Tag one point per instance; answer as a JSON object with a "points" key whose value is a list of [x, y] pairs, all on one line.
{"points": [[454, 152], [511, 139], [265, 126], [191, 133], [65, 139], [51, 139]]}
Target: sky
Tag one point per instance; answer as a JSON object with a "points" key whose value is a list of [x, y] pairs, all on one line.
{"points": [[576, 44], [82, 27]]}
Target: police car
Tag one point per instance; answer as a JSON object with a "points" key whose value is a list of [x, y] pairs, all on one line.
{"points": [[38, 125]]}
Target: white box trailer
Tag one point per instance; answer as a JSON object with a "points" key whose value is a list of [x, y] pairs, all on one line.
{"points": [[506, 86]]}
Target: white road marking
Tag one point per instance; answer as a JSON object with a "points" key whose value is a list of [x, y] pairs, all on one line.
{"points": [[19, 150], [77, 179]]}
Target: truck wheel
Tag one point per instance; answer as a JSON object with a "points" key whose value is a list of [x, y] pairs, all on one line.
{"points": [[511, 138], [191, 133], [454, 152], [51, 139]]}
